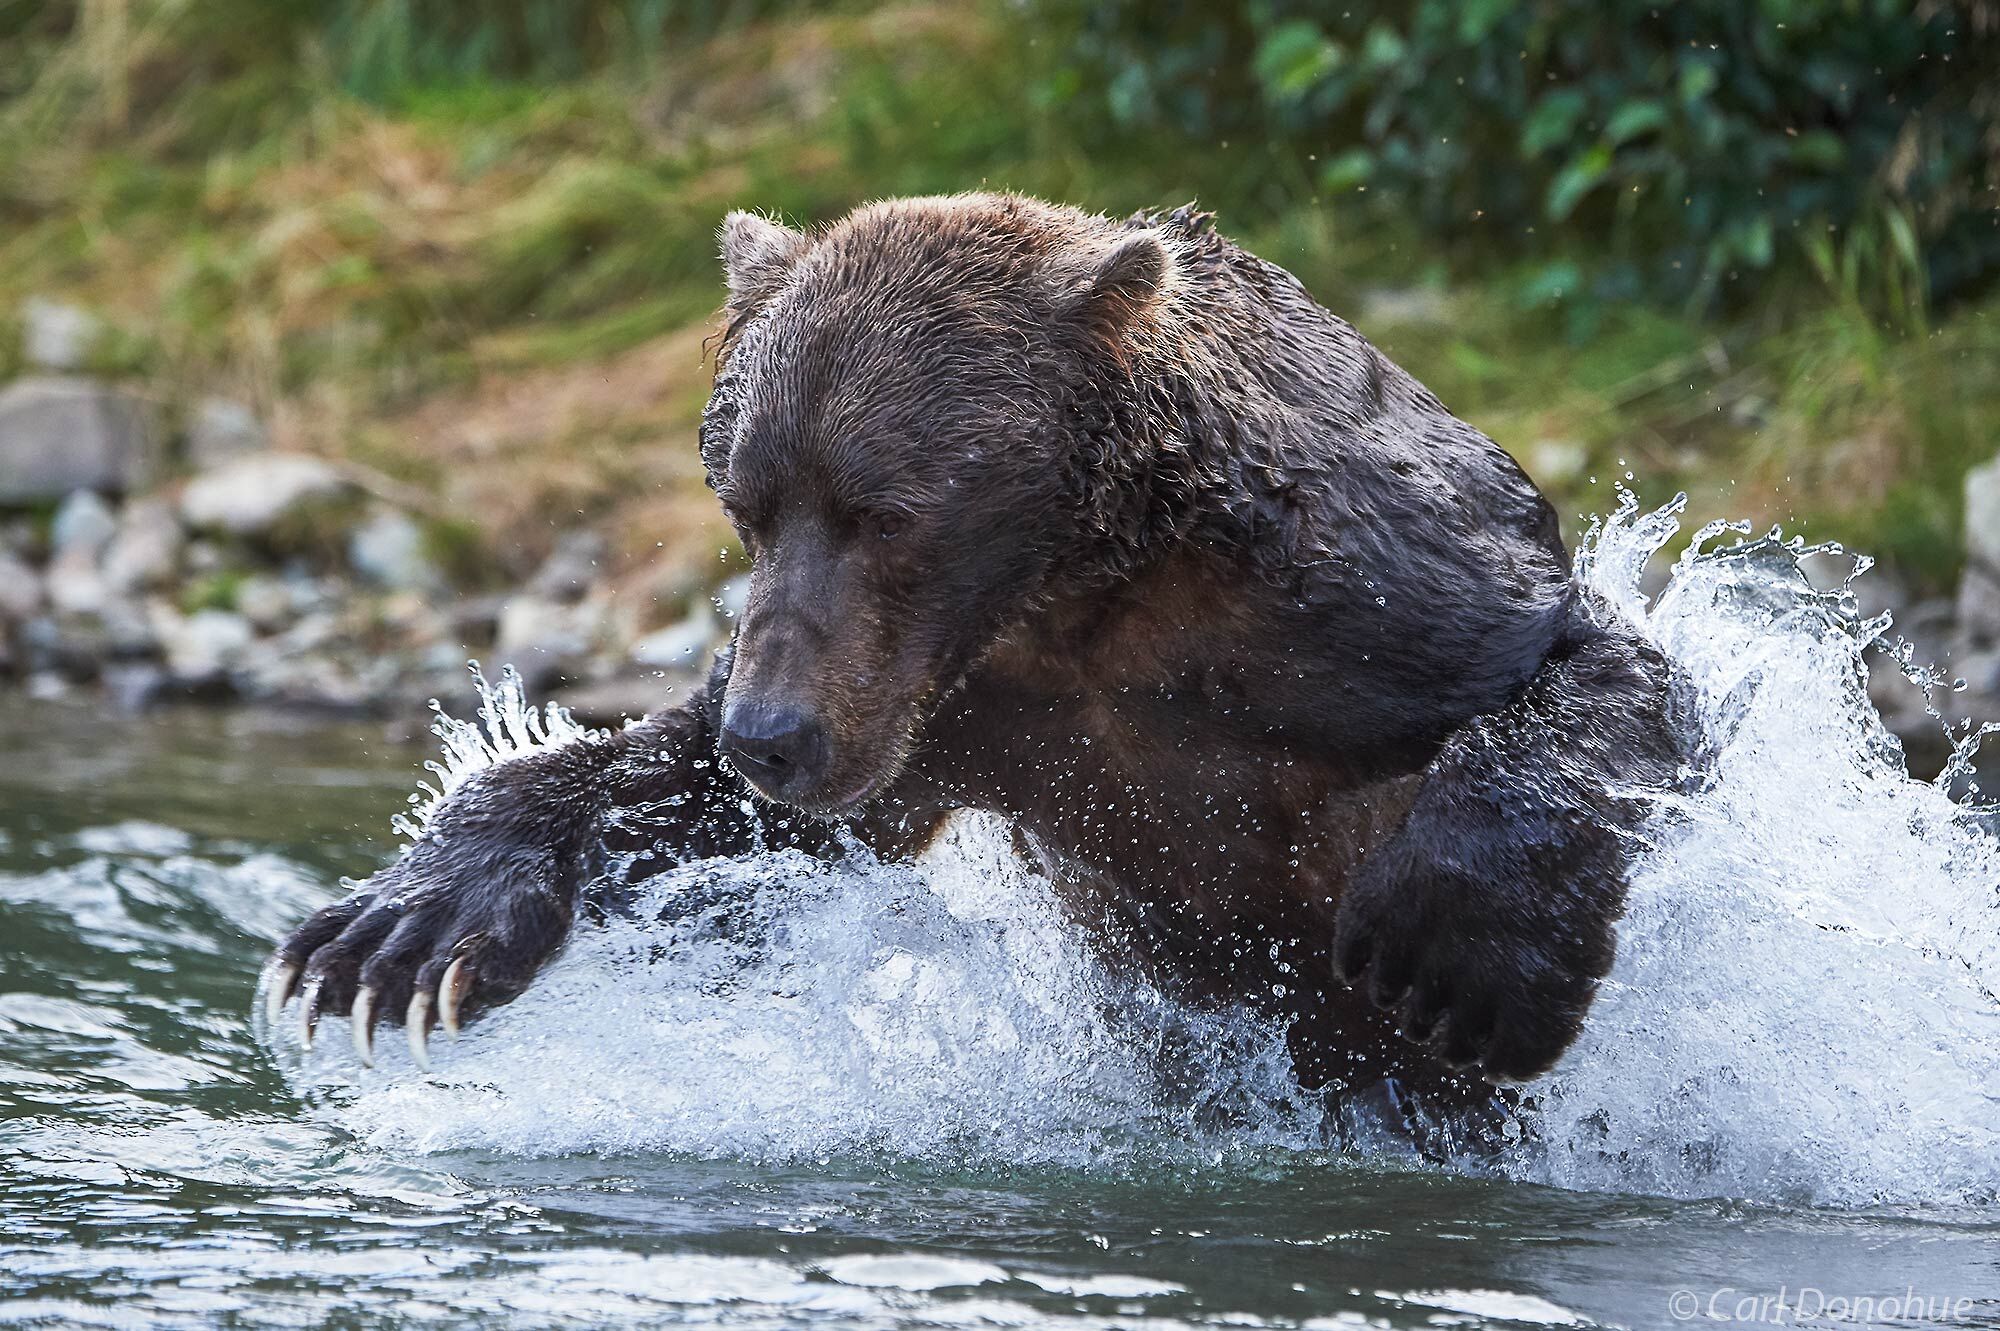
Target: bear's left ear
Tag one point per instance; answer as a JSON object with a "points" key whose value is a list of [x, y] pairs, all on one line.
{"points": [[757, 254], [1125, 281]]}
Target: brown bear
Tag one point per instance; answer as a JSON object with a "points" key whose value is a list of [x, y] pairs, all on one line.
{"points": [[1106, 526]]}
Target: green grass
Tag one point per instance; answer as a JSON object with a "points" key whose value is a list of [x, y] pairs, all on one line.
{"points": [[371, 245]]}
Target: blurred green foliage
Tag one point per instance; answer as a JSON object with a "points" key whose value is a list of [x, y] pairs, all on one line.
{"points": [[1682, 150], [1745, 249], [382, 50]]}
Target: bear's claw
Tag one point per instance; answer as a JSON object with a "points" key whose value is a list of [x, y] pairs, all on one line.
{"points": [[451, 989], [308, 1013], [426, 956], [417, 1028], [362, 1020], [283, 977]]}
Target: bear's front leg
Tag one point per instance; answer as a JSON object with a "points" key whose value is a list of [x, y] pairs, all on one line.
{"points": [[488, 893], [1484, 923]]}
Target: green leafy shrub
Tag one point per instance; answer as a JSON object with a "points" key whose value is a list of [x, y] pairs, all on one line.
{"points": [[1689, 147]]}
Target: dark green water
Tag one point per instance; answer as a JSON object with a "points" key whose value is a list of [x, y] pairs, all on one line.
{"points": [[158, 1168]]}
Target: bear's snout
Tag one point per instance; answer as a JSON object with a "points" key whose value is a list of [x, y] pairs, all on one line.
{"points": [[779, 748]]}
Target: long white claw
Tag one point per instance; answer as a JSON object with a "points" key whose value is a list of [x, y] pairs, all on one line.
{"points": [[448, 996], [278, 988], [308, 1013], [363, 1024], [416, 1028]]}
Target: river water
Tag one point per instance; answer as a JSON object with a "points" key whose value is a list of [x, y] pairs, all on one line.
{"points": [[884, 1096]]}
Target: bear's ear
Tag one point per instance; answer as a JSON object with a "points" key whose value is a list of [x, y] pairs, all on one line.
{"points": [[757, 253], [1125, 281]]}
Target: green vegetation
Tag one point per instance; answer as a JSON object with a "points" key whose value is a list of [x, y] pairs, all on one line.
{"points": [[1680, 151], [471, 247]]}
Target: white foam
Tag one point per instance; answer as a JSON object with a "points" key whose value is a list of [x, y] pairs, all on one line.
{"points": [[1802, 1008], [506, 727], [786, 1009], [1803, 1003]]}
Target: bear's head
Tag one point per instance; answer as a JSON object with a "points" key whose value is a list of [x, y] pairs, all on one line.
{"points": [[920, 420]]}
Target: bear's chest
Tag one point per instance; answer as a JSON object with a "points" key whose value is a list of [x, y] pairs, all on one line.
{"points": [[1165, 805]]}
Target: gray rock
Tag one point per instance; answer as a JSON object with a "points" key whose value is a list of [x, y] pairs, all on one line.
{"points": [[74, 647], [265, 601], [388, 551], [133, 686], [221, 430], [128, 633], [20, 589], [47, 686], [59, 434], [1925, 747], [543, 640], [1978, 606], [659, 592], [146, 551], [273, 673], [251, 495], [680, 645], [571, 569], [1982, 516], [56, 335], [1981, 673], [75, 587], [310, 592], [1929, 624], [612, 702], [83, 526], [314, 632], [202, 648], [1888, 688], [206, 557], [1880, 589], [475, 620]]}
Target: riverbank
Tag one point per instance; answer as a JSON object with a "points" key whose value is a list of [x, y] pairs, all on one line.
{"points": [[150, 568], [313, 389]]}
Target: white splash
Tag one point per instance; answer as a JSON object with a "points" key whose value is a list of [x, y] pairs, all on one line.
{"points": [[507, 727], [779, 1008], [1803, 1007]]}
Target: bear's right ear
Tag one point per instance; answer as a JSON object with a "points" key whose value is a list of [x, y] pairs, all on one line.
{"points": [[1124, 282], [757, 253]]}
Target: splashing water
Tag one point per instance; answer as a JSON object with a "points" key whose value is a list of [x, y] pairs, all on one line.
{"points": [[1802, 1010], [507, 728], [1803, 1006], [781, 1009]]}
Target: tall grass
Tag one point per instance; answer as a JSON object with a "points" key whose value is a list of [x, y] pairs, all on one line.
{"points": [[383, 49], [375, 218]]}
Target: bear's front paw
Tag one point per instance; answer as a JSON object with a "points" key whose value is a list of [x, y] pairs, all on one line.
{"points": [[1483, 977], [415, 952]]}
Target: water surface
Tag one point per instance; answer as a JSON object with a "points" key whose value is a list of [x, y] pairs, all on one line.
{"points": [[895, 1097]]}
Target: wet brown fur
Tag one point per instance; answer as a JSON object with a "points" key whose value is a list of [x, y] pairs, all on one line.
{"points": [[1107, 526]]}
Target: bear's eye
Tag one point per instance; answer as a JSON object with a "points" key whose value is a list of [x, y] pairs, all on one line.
{"points": [[887, 526]]}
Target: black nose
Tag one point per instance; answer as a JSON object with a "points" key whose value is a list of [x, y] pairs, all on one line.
{"points": [[779, 747]]}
